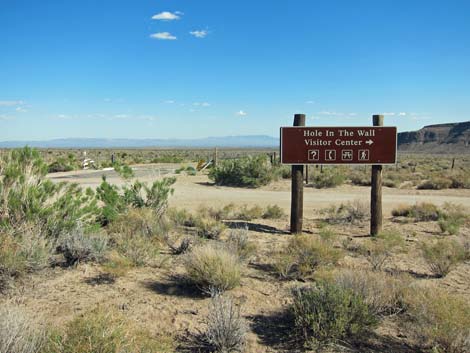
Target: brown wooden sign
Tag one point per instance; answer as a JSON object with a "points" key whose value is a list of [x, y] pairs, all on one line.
{"points": [[338, 145]]}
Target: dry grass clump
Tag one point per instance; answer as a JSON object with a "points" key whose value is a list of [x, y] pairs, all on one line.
{"points": [[105, 331], [328, 313], [378, 249], [302, 255], [20, 254], [140, 250], [238, 241], [213, 268], [138, 221], [421, 212], [383, 293], [350, 213], [18, 332], [452, 218], [443, 255], [210, 228], [439, 320], [226, 329], [435, 183], [273, 212], [76, 246], [250, 213]]}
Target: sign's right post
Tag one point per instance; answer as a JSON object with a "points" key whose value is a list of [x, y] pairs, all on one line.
{"points": [[376, 190]]}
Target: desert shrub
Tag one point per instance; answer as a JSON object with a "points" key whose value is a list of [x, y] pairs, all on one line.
{"points": [[440, 321], [351, 212], [327, 313], [181, 217], [76, 246], [105, 331], [226, 212], [182, 247], [139, 250], [155, 196], [27, 252], [213, 268], [383, 293], [359, 178], [378, 249], [244, 172], [116, 265], [460, 181], [330, 178], [285, 172], [435, 183], [442, 256], [141, 221], [113, 203], [452, 218], [238, 241], [209, 228], [247, 214], [327, 235], [18, 332], [302, 255], [273, 212], [60, 165], [226, 329], [421, 212], [27, 196]]}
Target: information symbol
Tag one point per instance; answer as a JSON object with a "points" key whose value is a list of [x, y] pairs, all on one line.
{"points": [[330, 155], [313, 155]]}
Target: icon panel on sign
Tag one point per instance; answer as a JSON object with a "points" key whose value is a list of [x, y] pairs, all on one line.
{"points": [[346, 155], [330, 155], [313, 155], [363, 155]]}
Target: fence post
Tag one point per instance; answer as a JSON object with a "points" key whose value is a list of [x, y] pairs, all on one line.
{"points": [[297, 197], [376, 190]]}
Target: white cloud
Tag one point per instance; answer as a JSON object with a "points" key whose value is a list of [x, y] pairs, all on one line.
{"points": [[328, 113], [242, 113], [21, 110], [167, 16], [310, 102], [402, 114], [5, 118], [121, 116], [10, 103], [199, 34], [163, 36], [203, 104], [169, 101]]}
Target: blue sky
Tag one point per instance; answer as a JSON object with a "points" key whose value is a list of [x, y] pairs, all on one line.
{"points": [[195, 68]]}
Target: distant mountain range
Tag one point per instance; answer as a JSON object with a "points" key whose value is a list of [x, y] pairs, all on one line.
{"points": [[256, 141], [441, 138]]}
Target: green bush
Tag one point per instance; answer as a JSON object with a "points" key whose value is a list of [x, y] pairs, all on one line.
{"points": [[443, 256], [328, 313], [330, 178], [302, 256], [244, 172], [248, 214], [238, 241], [452, 218], [27, 196], [212, 268]]}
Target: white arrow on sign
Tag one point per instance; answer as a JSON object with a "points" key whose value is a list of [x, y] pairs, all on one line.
{"points": [[369, 142]]}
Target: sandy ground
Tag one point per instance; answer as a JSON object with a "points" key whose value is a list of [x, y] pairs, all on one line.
{"points": [[193, 191]]}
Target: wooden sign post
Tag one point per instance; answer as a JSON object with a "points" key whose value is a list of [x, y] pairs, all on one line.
{"points": [[297, 199], [375, 146], [376, 190]]}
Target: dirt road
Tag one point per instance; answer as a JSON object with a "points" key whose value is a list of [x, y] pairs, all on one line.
{"points": [[193, 191]]}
